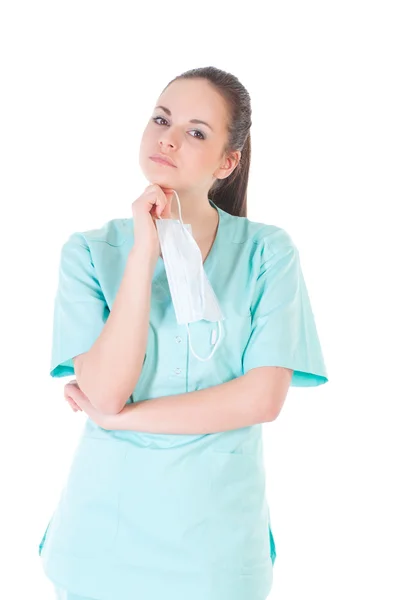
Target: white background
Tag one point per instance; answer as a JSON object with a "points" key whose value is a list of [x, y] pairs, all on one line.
{"points": [[79, 81]]}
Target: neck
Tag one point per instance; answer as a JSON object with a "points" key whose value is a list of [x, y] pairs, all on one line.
{"points": [[197, 212]]}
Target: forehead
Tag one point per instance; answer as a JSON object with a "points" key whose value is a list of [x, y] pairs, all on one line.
{"points": [[195, 99]]}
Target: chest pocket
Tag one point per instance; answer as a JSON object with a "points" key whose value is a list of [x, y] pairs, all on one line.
{"points": [[226, 362]]}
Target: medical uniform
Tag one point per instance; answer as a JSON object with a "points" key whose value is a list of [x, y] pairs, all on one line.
{"points": [[147, 516]]}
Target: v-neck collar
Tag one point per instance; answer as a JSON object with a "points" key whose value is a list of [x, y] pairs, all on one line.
{"points": [[209, 260]]}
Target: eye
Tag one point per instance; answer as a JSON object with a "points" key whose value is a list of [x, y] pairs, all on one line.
{"points": [[154, 119]]}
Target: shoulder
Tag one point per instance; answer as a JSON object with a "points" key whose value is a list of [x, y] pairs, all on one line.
{"points": [[113, 233], [264, 238], [271, 238]]}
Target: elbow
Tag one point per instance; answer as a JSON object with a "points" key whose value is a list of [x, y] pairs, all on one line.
{"points": [[105, 404], [108, 405], [262, 413], [108, 402], [272, 407], [271, 415]]}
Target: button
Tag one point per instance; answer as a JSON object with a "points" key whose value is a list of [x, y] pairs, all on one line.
{"points": [[178, 339], [177, 371]]}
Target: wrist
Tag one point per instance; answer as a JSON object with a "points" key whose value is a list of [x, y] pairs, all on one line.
{"points": [[144, 256]]}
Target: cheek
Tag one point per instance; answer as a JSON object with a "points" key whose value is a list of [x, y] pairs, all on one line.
{"points": [[145, 142], [205, 158], [147, 147], [196, 159]]}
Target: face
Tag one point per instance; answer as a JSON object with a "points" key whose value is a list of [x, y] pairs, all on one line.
{"points": [[196, 149]]}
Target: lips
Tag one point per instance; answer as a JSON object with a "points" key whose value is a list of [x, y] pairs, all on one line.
{"points": [[162, 159]]}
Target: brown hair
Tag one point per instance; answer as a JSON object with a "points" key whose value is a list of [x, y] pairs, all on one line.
{"points": [[230, 194]]}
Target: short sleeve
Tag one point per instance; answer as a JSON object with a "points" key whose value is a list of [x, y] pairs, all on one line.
{"points": [[80, 309], [283, 331]]}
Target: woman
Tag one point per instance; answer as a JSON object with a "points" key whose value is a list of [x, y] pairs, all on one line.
{"points": [[166, 498]]}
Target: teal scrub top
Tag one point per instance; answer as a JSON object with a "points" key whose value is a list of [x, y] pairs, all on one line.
{"points": [[146, 516]]}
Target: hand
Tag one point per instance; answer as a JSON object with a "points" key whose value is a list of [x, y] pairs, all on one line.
{"points": [[79, 402], [153, 203], [69, 393]]}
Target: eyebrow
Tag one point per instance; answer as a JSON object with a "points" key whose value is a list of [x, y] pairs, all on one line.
{"points": [[168, 112]]}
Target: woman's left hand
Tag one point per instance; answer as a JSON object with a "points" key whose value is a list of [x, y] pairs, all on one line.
{"points": [[75, 396]]}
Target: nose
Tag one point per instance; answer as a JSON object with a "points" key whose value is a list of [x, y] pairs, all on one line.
{"points": [[167, 139], [165, 144]]}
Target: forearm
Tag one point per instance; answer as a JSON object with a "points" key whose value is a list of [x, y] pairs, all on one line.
{"points": [[110, 370], [231, 405]]}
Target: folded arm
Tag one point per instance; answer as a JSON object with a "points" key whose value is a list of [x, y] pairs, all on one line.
{"points": [[253, 398]]}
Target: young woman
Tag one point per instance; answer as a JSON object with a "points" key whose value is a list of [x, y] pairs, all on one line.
{"points": [[166, 494]]}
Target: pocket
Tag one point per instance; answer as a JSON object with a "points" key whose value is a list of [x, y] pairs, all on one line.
{"points": [[227, 359], [238, 327], [165, 507], [240, 513], [86, 520]]}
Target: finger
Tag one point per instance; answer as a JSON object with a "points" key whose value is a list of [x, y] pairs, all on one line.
{"points": [[72, 403], [164, 207], [72, 385], [74, 390]]}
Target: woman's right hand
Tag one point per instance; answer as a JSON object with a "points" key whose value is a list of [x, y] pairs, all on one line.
{"points": [[153, 203]]}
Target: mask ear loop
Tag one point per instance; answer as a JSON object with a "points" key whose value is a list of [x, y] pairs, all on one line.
{"points": [[214, 349], [179, 206]]}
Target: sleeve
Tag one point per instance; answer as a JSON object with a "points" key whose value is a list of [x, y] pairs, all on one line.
{"points": [[283, 331], [80, 309]]}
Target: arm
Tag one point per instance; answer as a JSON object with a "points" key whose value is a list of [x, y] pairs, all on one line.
{"points": [[109, 371], [255, 397]]}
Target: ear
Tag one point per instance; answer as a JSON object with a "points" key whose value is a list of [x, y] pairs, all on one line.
{"points": [[229, 164]]}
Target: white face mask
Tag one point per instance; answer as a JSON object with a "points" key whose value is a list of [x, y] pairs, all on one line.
{"points": [[191, 291]]}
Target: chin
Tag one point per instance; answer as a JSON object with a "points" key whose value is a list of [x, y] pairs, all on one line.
{"points": [[152, 177]]}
